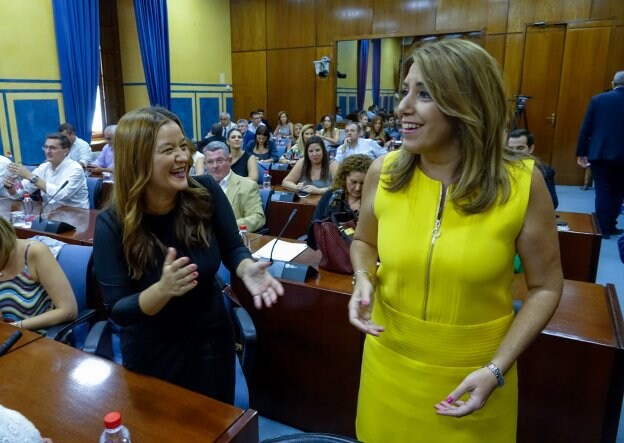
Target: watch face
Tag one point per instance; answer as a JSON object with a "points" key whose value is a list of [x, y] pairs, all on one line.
{"points": [[34, 179]]}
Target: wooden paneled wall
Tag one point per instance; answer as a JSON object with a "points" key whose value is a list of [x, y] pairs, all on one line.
{"points": [[275, 41]]}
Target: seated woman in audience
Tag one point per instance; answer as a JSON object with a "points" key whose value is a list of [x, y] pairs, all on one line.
{"points": [[364, 124], [329, 132], [346, 191], [313, 173], [262, 147], [51, 175], [296, 151], [284, 127], [34, 292], [198, 167], [377, 132], [243, 163]]}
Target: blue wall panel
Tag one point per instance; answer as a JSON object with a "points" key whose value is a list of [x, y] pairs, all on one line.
{"points": [[342, 102], [208, 114], [35, 119], [352, 105], [183, 108], [229, 108]]}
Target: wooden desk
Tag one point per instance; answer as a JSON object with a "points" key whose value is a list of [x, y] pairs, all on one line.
{"points": [[580, 246], [279, 212], [66, 394], [307, 367], [82, 219], [27, 336]]}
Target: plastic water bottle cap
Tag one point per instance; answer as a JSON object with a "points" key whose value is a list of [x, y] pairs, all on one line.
{"points": [[26, 195], [243, 227], [112, 420]]}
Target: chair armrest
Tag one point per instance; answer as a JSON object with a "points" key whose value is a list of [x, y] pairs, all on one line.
{"points": [[94, 337], [57, 332], [248, 337]]}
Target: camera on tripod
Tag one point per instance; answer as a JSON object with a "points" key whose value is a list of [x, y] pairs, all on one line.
{"points": [[521, 101]]}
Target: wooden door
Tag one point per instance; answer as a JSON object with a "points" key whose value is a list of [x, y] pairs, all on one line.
{"points": [[584, 69], [541, 73]]}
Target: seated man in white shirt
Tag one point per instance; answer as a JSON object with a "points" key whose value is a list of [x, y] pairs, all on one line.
{"points": [[50, 176], [4, 164], [242, 193], [80, 150], [355, 144]]}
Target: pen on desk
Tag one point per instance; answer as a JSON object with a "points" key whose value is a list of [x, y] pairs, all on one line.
{"points": [[13, 338]]}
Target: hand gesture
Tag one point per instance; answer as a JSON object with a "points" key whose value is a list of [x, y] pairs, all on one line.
{"points": [[582, 161], [361, 307], [261, 285], [18, 170], [478, 385], [178, 276]]}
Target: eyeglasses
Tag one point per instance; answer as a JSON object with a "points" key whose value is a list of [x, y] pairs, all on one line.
{"points": [[219, 162], [50, 148]]}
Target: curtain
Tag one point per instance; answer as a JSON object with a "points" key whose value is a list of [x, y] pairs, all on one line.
{"points": [[77, 28], [376, 70], [362, 72], [153, 30]]}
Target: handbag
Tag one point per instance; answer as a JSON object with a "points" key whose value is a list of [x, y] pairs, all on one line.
{"points": [[332, 236]]}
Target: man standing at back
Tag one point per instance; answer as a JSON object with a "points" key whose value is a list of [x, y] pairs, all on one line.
{"points": [[80, 150], [601, 144], [226, 124]]}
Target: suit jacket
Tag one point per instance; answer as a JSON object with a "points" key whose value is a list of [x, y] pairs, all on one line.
{"points": [[602, 133], [245, 199]]}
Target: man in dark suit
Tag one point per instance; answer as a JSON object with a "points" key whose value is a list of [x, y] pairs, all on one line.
{"points": [[523, 140], [601, 144], [213, 136]]}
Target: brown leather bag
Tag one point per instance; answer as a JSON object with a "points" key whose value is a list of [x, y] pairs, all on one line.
{"points": [[333, 237]]}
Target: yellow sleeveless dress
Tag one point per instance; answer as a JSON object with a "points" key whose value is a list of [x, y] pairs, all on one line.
{"points": [[445, 302]]}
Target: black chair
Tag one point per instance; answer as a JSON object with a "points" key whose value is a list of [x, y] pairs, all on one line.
{"points": [[94, 185], [311, 437]]}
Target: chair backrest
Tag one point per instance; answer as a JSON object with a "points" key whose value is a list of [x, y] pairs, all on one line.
{"points": [[94, 186], [279, 166], [262, 168], [77, 262], [281, 149], [265, 196]]}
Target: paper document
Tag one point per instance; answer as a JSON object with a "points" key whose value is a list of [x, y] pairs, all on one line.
{"points": [[284, 251]]}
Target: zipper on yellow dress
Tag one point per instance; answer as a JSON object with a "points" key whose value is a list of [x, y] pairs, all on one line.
{"points": [[434, 235]]}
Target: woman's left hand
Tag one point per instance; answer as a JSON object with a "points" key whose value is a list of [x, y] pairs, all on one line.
{"points": [[261, 285], [311, 189], [478, 385]]}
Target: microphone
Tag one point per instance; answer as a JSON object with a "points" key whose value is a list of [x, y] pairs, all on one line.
{"points": [[55, 227], [287, 270], [13, 338]]}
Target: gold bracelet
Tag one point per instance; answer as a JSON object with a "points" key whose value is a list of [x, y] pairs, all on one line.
{"points": [[359, 272]]}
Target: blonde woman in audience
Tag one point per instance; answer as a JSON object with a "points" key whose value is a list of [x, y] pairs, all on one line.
{"points": [[314, 173], [329, 132], [34, 292], [243, 163], [296, 151]]}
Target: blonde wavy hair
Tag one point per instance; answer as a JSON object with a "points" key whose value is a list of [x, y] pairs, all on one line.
{"points": [[466, 84], [134, 150]]}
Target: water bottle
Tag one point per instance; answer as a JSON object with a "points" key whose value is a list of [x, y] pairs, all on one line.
{"points": [[114, 431], [17, 181], [29, 214], [266, 180], [242, 229]]}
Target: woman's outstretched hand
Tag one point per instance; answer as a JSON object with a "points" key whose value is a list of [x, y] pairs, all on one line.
{"points": [[361, 307], [478, 385], [261, 285]]}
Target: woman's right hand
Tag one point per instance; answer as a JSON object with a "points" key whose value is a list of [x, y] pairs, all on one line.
{"points": [[361, 307], [178, 276]]}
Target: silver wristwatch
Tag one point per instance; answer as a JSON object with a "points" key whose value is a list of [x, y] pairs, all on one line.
{"points": [[34, 179]]}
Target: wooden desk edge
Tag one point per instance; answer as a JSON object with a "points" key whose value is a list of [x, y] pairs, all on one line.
{"points": [[616, 314], [243, 430]]}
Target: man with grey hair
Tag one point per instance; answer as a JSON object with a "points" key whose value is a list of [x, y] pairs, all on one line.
{"points": [[106, 161], [355, 144], [601, 144], [226, 124], [242, 193]]}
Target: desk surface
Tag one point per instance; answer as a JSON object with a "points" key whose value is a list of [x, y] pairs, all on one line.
{"points": [[279, 212], [82, 219], [27, 336], [66, 394]]}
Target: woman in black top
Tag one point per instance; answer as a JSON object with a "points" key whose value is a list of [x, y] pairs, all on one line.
{"points": [[243, 163], [157, 250]]}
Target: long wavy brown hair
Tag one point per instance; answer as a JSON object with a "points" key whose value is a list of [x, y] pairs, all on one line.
{"points": [[134, 150], [466, 84]]}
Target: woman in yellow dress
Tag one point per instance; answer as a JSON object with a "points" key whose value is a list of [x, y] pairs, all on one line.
{"points": [[445, 215]]}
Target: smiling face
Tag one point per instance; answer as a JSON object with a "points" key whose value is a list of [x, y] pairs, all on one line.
{"points": [[315, 153], [242, 127], [283, 118], [354, 183], [307, 134], [520, 144], [426, 130], [169, 162], [54, 151]]}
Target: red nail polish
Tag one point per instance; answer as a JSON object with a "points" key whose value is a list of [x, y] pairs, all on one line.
{"points": [[450, 399]]}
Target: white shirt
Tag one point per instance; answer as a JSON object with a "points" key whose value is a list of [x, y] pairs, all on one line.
{"points": [[224, 182], [74, 194], [196, 157], [252, 128], [4, 164], [81, 152], [363, 146]]}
